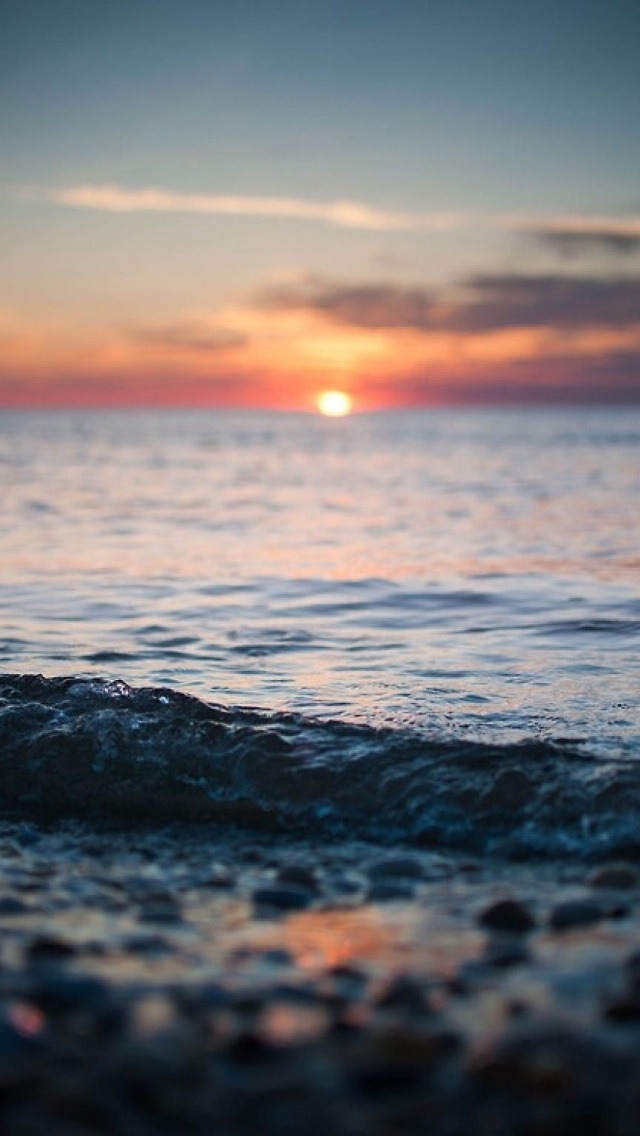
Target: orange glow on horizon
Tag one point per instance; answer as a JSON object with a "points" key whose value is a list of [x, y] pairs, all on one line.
{"points": [[248, 357]]}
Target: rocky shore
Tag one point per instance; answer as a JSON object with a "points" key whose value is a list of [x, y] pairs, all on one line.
{"points": [[185, 981]]}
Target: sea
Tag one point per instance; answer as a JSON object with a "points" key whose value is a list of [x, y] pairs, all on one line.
{"points": [[413, 627]]}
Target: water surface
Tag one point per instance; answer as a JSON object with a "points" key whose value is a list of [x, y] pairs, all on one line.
{"points": [[469, 573]]}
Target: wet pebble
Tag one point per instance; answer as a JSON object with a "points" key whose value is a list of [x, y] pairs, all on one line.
{"points": [[624, 1008], [57, 991], [396, 867], [160, 908], [11, 905], [49, 948], [575, 913], [248, 1048], [281, 898], [507, 915], [299, 876], [390, 890], [615, 876]]}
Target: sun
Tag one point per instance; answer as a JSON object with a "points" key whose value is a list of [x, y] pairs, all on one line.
{"points": [[334, 404]]}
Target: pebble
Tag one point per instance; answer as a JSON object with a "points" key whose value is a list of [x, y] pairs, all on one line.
{"points": [[389, 891], [507, 915], [58, 991], [615, 876], [299, 876], [257, 1033], [574, 913], [160, 908], [141, 943], [281, 898], [403, 867], [11, 905], [624, 1008], [49, 948]]}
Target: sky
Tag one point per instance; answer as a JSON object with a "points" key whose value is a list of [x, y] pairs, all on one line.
{"points": [[243, 204]]}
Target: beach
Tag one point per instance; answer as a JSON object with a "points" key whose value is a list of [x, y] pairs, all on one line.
{"points": [[318, 802], [178, 981]]}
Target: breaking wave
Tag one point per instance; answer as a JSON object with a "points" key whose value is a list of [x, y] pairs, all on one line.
{"points": [[112, 753]]}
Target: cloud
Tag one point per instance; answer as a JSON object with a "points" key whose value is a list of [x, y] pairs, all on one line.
{"points": [[573, 236], [360, 305], [566, 234], [485, 303], [555, 301], [346, 214]]}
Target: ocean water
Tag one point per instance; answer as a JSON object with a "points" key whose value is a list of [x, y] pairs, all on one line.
{"points": [[407, 626]]}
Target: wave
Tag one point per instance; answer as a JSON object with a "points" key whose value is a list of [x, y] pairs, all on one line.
{"points": [[105, 751]]}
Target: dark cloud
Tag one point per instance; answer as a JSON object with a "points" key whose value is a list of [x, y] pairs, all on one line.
{"points": [[570, 244], [361, 305], [485, 303], [187, 337], [556, 301]]}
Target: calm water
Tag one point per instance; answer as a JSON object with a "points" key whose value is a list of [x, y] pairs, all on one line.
{"points": [[463, 575]]}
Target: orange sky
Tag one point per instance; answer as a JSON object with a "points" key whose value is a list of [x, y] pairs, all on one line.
{"points": [[247, 204], [283, 350]]}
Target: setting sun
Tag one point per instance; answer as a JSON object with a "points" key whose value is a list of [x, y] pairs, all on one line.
{"points": [[334, 404]]}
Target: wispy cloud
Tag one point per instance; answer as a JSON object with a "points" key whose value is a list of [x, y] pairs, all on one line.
{"points": [[562, 232], [346, 214]]}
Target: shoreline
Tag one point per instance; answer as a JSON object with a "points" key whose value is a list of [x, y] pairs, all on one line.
{"points": [[171, 981]]}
